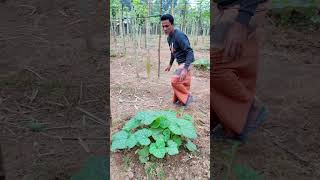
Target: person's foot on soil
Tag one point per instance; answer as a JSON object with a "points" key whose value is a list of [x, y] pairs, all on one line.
{"points": [[256, 116], [189, 101], [178, 103]]}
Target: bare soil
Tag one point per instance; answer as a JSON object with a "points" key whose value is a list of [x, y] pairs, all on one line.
{"points": [[48, 77]]}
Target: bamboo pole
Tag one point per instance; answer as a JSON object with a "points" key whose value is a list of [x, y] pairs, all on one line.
{"points": [[159, 45]]}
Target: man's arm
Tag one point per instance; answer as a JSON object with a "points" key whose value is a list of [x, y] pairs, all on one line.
{"points": [[171, 59], [185, 46]]}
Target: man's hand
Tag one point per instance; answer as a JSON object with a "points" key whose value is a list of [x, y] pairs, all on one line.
{"points": [[183, 74], [235, 39], [168, 68]]}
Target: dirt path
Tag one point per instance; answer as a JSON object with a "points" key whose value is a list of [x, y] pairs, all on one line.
{"points": [[130, 94], [46, 74]]}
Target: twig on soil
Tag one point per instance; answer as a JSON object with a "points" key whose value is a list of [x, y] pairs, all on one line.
{"points": [[138, 97], [95, 118], [55, 103], [83, 120], [73, 22], [94, 94], [80, 95], [41, 39], [31, 7], [84, 145], [15, 112], [46, 154], [121, 101], [73, 138], [26, 106], [62, 127], [13, 125], [63, 13], [90, 101], [287, 150], [200, 109], [202, 121], [66, 100], [38, 75], [34, 95], [10, 131], [9, 38]]}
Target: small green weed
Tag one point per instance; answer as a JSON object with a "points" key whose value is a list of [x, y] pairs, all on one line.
{"points": [[201, 64], [233, 170]]}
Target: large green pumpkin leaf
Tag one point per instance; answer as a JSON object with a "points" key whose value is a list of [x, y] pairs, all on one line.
{"points": [[147, 117], [172, 148], [177, 140], [175, 128], [119, 140], [160, 142], [119, 144], [187, 128], [164, 123], [156, 123], [190, 146], [169, 114], [131, 124], [158, 152], [143, 135], [131, 141], [157, 133], [166, 134], [120, 135]]}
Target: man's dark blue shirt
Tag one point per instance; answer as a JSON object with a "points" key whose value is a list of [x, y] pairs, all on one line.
{"points": [[180, 48]]}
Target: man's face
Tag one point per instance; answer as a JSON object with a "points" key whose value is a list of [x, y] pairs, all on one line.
{"points": [[167, 27]]}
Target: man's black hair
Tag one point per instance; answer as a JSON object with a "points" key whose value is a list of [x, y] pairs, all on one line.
{"points": [[167, 17]]}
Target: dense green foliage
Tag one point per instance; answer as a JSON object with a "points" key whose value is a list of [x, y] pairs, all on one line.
{"points": [[201, 64], [156, 133]]}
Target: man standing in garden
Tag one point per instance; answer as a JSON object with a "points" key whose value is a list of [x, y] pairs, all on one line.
{"points": [[235, 56], [180, 49]]}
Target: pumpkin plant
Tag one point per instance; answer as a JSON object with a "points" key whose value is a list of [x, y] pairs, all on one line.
{"points": [[156, 133]]}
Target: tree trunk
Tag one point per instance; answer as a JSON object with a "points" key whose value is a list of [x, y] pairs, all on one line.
{"points": [[172, 3], [145, 35], [184, 15], [156, 29], [114, 36], [122, 30], [197, 32], [136, 43], [159, 45]]}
